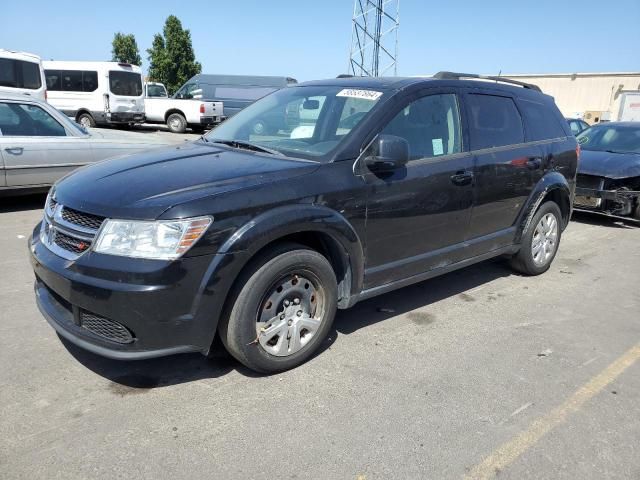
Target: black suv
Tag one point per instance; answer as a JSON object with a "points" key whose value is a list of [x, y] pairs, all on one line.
{"points": [[369, 184]]}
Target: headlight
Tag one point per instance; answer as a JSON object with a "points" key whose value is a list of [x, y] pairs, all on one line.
{"points": [[162, 239]]}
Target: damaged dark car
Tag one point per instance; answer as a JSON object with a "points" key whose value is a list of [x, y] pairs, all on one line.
{"points": [[608, 179]]}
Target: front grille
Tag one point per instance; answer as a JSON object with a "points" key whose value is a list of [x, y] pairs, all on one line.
{"points": [[70, 243], [85, 220], [68, 232], [105, 328]]}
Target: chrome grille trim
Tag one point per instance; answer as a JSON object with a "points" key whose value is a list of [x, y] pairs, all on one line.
{"points": [[63, 237]]}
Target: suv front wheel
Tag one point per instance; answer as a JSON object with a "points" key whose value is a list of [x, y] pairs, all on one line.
{"points": [[540, 242], [283, 308]]}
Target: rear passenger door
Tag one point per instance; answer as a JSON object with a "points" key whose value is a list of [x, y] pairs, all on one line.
{"points": [[506, 168]]}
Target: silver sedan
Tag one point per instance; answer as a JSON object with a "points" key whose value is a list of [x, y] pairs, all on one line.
{"points": [[39, 144]]}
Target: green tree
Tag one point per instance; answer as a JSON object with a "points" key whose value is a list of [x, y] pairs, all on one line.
{"points": [[171, 57], [125, 49]]}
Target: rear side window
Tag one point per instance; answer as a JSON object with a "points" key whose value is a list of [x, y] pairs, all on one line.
{"points": [[495, 121], [541, 122], [19, 74], [127, 84], [71, 80]]}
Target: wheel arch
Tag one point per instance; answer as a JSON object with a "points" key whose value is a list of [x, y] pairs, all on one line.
{"points": [[552, 187], [316, 227], [171, 111]]}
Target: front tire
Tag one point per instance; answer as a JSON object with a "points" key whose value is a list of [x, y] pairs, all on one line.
{"points": [[283, 308], [540, 242], [176, 123]]}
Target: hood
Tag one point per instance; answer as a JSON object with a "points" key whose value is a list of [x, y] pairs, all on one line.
{"points": [[143, 185], [610, 165]]}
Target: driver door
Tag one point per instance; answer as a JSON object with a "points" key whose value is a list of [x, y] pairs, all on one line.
{"points": [[418, 215]]}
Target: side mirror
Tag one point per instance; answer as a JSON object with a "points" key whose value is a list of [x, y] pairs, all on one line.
{"points": [[387, 153]]}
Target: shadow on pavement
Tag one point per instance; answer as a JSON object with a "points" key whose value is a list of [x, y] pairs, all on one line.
{"points": [[137, 376], [22, 202], [603, 220]]}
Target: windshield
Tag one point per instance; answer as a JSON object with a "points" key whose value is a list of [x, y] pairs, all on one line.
{"points": [[308, 122], [127, 84], [611, 138]]}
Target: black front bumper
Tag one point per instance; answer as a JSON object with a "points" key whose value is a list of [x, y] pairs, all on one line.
{"points": [[168, 307]]}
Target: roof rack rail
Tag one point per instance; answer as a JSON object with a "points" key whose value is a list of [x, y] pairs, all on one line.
{"points": [[458, 76]]}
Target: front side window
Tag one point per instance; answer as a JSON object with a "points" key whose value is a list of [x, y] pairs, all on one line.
{"points": [[575, 127], [431, 126], [495, 122], [126, 84], [189, 91], [20, 120], [307, 122]]}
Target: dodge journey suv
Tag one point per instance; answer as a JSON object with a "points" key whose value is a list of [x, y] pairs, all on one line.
{"points": [[367, 185]]}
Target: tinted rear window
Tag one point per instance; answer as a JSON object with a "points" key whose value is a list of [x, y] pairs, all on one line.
{"points": [[128, 84], [19, 74], [71, 80], [540, 121], [495, 121]]}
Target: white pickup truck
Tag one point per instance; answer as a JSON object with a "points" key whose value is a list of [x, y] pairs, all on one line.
{"points": [[178, 114]]}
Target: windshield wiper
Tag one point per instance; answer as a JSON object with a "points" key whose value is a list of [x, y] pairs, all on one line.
{"points": [[242, 144]]}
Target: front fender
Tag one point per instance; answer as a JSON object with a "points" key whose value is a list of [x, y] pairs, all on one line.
{"points": [[550, 182], [290, 219]]}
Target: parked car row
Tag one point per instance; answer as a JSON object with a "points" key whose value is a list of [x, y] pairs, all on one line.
{"points": [[104, 93], [39, 144]]}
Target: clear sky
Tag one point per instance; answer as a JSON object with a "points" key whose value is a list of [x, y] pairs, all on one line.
{"points": [[310, 39]]}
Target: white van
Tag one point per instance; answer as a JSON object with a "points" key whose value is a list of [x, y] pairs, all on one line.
{"points": [[22, 73], [95, 93]]}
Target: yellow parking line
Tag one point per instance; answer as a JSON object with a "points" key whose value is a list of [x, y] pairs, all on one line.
{"points": [[510, 451]]}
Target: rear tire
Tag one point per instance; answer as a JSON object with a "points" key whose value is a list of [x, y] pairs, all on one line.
{"points": [[283, 308], [86, 120], [540, 242], [176, 123]]}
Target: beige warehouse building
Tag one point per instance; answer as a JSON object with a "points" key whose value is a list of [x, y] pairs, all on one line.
{"points": [[592, 96]]}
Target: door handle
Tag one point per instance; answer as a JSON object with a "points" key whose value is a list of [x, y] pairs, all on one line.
{"points": [[14, 150], [534, 163], [462, 178]]}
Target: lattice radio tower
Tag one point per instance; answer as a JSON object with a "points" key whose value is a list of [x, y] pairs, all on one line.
{"points": [[374, 38]]}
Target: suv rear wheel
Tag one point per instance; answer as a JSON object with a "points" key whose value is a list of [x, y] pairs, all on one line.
{"points": [[283, 309], [540, 242]]}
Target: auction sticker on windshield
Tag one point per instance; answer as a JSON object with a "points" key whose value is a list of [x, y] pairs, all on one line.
{"points": [[365, 94]]}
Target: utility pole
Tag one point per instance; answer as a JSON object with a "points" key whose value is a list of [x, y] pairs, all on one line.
{"points": [[374, 38]]}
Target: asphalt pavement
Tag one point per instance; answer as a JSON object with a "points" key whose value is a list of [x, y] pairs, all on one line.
{"points": [[481, 373]]}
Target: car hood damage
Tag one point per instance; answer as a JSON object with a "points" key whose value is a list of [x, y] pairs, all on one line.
{"points": [[144, 185], [609, 165]]}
